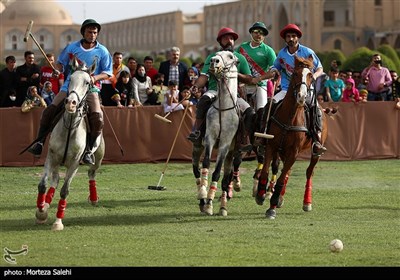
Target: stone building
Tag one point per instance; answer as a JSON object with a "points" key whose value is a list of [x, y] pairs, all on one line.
{"points": [[326, 24]]}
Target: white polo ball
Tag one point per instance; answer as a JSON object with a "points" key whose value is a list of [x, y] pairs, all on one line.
{"points": [[336, 245]]}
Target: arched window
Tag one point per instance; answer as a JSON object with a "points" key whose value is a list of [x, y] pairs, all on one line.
{"points": [[337, 44]]}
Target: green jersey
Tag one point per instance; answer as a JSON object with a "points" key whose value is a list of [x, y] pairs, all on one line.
{"points": [[260, 59], [243, 68]]}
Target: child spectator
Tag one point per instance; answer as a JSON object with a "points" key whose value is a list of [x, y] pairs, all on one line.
{"points": [[159, 89], [350, 93], [47, 93], [363, 95], [32, 100], [124, 90], [172, 98], [334, 86]]}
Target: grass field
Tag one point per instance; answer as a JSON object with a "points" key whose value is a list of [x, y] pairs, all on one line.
{"points": [[355, 201]]}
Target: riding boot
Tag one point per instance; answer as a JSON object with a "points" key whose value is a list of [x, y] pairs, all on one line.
{"points": [[46, 121], [316, 126], [201, 111], [247, 132], [96, 125]]}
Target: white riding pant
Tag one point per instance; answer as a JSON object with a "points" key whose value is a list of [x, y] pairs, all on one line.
{"points": [[259, 94], [243, 105]]}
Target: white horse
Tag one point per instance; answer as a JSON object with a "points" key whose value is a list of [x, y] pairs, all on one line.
{"points": [[221, 127], [66, 147]]}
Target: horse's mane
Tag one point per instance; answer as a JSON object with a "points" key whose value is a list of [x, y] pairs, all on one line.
{"points": [[301, 62]]}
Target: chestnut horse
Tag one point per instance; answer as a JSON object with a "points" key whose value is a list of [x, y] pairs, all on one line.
{"points": [[288, 124]]}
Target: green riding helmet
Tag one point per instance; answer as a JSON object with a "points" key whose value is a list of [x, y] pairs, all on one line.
{"points": [[259, 25], [90, 22]]}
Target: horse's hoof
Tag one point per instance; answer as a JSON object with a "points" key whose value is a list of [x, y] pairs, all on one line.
{"points": [[57, 227], [223, 212], [237, 184], [202, 204], [202, 193], [93, 202], [260, 199], [307, 207], [280, 202], [208, 209], [41, 216], [270, 214]]}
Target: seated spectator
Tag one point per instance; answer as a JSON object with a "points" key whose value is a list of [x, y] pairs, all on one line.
{"points": [[142, 88], [123, 90], [47, 93], [186, 97], [32, 100], [172, 98], [10, 99], [191, 77], [350, 92], [320, 98], [159, 88], [363, 95]]}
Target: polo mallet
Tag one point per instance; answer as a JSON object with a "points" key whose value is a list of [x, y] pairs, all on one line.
{"points": [[29, 33], [164, 119], [158, 187], [112, 129], [265, 135]]}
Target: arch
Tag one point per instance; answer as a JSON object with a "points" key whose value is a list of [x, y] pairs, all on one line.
{"points": [[370, 44], [14, 40], [397, 42], [283, 17], [337, 44]]}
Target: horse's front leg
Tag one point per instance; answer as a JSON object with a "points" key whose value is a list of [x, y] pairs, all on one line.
{"points": [[260, 150], [62, 203], [41, 208], [279, 186], [263, 177], [197, 151], [307, 200], [237, 161]]}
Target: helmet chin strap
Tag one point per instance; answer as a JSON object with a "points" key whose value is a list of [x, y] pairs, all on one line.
{"points": [[256, 41]]}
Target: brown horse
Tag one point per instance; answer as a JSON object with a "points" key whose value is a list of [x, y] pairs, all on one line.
{"points": [[288, 124]]}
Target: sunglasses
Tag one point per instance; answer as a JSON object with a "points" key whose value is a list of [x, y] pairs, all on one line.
{"points": [[257, 31]]}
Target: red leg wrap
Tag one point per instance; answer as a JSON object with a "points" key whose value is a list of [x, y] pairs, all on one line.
{"points": [[307, 192], [92, 190], [62, 204], [50, 194], [40, 200]]}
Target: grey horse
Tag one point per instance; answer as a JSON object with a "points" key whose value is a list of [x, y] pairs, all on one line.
{"points": [[66, 146]]}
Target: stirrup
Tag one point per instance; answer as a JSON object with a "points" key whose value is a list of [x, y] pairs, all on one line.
{"points": [[36, 149], [320, 149], [88, 158]]}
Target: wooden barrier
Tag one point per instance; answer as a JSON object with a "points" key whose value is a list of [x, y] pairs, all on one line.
{"points": [[357, 132]]}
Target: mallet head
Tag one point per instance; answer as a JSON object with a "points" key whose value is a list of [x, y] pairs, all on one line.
{"points": [[28, 31]]}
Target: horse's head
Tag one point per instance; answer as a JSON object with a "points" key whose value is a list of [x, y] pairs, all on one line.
{"points": [[79, 84], [224, 64], [302, 78]]}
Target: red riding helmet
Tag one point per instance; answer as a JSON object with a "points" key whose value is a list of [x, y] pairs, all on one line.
{"points": [[291, 28], [225, 31]]}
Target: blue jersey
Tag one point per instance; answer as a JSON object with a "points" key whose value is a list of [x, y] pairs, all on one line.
{"points": [[284, 63], [99, 53]]}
